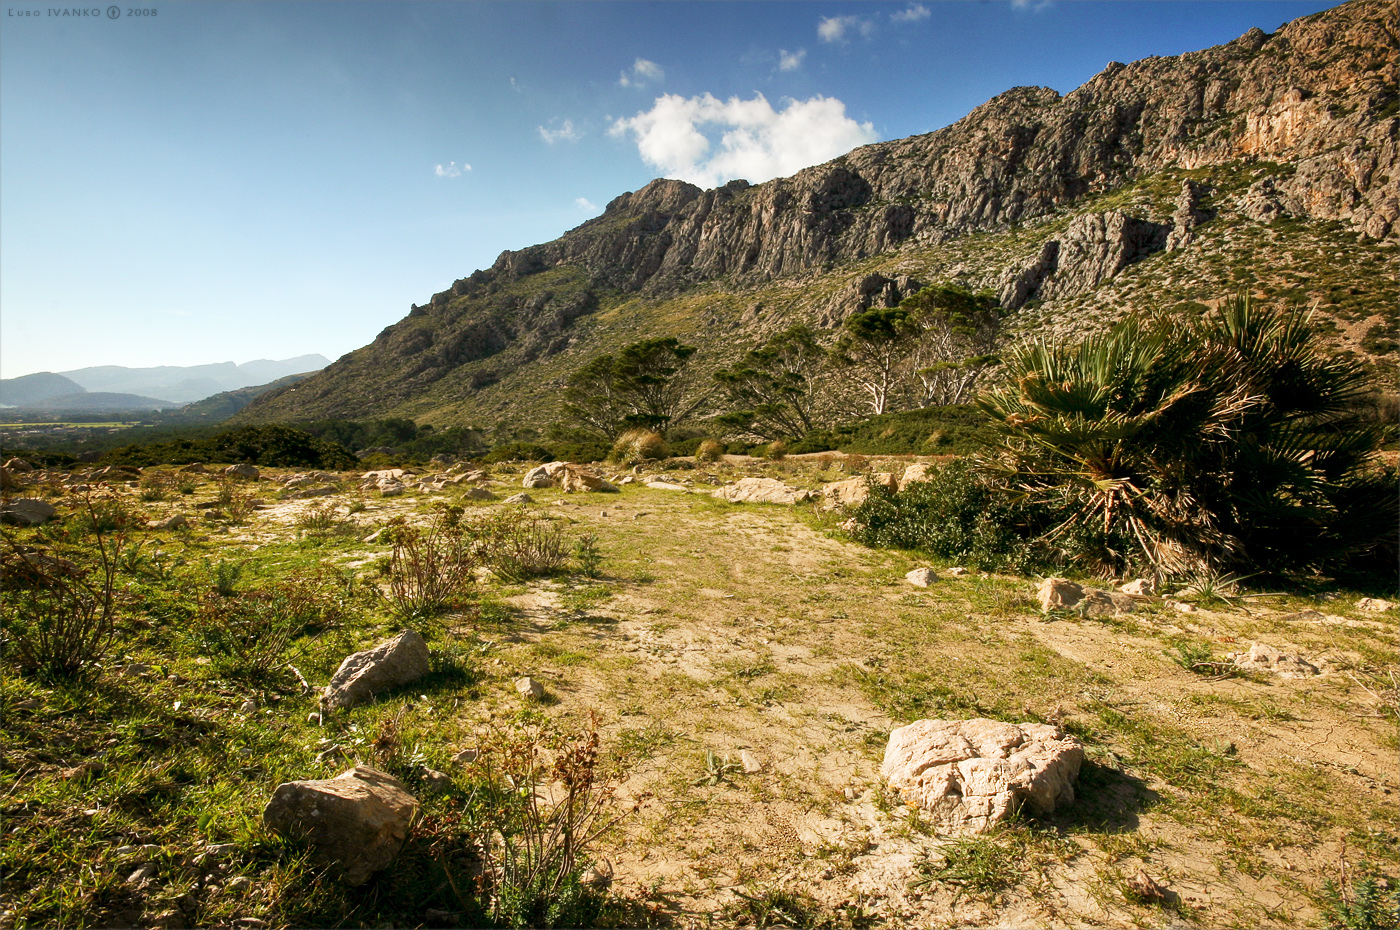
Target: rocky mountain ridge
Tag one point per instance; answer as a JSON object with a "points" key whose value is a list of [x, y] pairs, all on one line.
{"points": [[1303, 122]]}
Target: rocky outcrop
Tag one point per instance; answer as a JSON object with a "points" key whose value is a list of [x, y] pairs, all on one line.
{"points": [[970, 775], [1094, 249]]}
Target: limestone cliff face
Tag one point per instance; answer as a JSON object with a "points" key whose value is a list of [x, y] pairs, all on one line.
{"points": [[1319, 96], [1315, 107]]}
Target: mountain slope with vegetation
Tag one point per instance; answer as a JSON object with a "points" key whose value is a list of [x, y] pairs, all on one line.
{"points": [[1164, 185]]}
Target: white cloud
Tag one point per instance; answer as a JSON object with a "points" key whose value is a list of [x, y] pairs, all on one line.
{"points": [[756, 142], [514, 85], [1034, 6], [451, 169], [836, 28], [565, 133], [790, 61], [642, 73], [583, 203], [911, 14]]}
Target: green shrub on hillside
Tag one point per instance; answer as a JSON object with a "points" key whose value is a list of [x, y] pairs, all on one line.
{"points": [[268, 446]]}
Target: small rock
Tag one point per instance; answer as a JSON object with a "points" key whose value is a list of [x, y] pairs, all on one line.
{"points": [[751, 763], [220, 850], [330, 755], [142, 874], [529, 689], [850, 793], [388, 665], [921, 577], [244, 470], [969, 775], [1269, 659], [521, 498], [1146, 890], [248, 707], [238, 884], [250, 923], [172, 522], [479, 494], [466, 757], [1058, 593], [1181, 607], [357, 821], [136, 670], [436, 781], [1374, 605], [957, 571], [27, 512], [1138, 588], [142, 853]]}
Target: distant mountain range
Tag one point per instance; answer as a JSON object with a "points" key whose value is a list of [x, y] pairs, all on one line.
{"points": [[112, 387]]}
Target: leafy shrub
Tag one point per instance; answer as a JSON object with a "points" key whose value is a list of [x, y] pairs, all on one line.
{"points": [[687, 446], [776, 451], [247, 634], [518, 452], [542, 801], [638, 445], [520, 544], [589, 556], [708, 451], [268, 446], [429, 569], [1363, 901], [58, 608], [956, 514]]}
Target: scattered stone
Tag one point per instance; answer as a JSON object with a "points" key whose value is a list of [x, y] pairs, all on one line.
{"points": [[529, 689], [1147, 891], [249, 706], [567, 476], [220, 850], [140, 853], [238, 884], [921, 577], [762, 491], [849, 526], [391, 490], [1181, 607], [19, 466], [325, 491], [1060, 593], [243, 470], [172, 522], [1374, 605], [919, 471], [479, 494], [466, 757], [330, 755], [599, 875], [852, 492], [641, 513], [751, 763], [142, 874], [436, 781], [522, 498], [1138, 588], [660, 485], [357, 821], [390, 664], [970, 775], [957, 571], [194, 468], [253, 923], [1262, 658], [136, 670], [27, 512]]}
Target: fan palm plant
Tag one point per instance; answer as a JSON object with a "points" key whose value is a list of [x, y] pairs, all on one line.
{"points": [[1226, 445]]}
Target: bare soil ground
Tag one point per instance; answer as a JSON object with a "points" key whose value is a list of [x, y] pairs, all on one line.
{"points": [[763, 630]]}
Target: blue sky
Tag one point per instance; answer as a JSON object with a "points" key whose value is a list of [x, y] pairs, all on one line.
{"points": [[225, 181]]}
